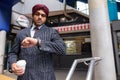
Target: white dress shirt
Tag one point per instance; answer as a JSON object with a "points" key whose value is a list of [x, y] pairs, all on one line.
{"points": [[32, 31]]}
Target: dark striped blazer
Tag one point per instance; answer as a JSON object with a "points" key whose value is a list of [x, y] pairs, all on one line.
{"points": [[39, 59]]}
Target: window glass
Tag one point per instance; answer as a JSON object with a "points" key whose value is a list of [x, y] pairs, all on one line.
{"points": [[77, 45]]}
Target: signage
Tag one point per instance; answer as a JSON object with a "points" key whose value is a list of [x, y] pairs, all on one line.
{"points": [[112, 9], [22, 21]]}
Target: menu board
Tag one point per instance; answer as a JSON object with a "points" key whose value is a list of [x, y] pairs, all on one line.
{"points": [[71, 46]]}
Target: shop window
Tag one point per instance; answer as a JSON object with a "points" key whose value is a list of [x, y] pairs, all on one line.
{"points": [[78, 45], [71, 46]]}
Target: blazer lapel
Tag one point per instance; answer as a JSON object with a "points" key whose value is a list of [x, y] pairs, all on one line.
{"points": [[41, 31], [28, 32]]}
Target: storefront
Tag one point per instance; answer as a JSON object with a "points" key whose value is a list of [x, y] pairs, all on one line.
{"points": [[78, 43]]}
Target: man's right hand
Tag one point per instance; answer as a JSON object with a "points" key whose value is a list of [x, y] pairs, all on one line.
{"points": [[29, 42], [17, 70]]}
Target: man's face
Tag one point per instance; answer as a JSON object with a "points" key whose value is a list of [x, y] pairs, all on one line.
{"points": [[39, 17]]}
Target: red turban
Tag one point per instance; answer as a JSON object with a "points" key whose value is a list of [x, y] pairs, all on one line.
{"points": [[40, 7]]}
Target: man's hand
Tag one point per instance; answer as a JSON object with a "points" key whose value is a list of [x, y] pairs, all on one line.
{"points": [[29, 42], [17, 70]]}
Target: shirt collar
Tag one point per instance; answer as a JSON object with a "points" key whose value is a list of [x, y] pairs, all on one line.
{"points": [[33, 26]]}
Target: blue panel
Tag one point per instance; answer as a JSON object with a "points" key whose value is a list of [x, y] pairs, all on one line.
{"points": [[5, 19], [9, 3], [5, 13], [112, 8]]}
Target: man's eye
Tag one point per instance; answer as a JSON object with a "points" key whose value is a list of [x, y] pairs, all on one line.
{"points": [[38, 14]]}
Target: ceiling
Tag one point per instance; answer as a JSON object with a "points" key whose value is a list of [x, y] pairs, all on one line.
{"points": [[72, 2]]}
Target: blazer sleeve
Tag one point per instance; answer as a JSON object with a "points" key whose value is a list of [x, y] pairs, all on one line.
{"points": [[13, 54], [55, 45]]}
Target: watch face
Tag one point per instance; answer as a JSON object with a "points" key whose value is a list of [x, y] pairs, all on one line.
{"points": [[23, 21]]}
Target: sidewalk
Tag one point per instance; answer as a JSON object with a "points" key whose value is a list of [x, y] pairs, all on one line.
{"points": [[4, 77], [60, 75]]}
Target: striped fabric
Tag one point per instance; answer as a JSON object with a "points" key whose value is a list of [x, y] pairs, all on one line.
{"points": [[39, 59]]}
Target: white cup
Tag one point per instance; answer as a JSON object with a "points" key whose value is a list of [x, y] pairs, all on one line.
{"points": [[21, 63]]}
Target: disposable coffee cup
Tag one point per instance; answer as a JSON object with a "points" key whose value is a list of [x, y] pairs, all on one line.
{"points": [[21, 63]]}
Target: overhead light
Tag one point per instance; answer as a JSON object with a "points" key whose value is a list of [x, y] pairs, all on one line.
{"points": [[51, 22], [117, 0], [63, 19]]}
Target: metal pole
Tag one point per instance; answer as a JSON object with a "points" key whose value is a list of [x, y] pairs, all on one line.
{"points": [[90, 70], [72, 70], [2, 49], [101, 40]]}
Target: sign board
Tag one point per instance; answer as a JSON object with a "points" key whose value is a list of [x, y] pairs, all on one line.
{"points": [[112, 9], [22, 21]]}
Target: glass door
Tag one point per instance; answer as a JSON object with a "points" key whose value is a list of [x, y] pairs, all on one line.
{"points": [[118, 42]]}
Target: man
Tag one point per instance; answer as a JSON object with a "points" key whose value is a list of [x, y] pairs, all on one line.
{"points": [[36, 48]]}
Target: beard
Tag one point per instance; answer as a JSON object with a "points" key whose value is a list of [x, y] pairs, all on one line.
{"points": [[38, 23]]}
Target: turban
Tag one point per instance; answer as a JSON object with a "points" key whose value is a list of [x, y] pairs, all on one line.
{"points": [[40, 7]]}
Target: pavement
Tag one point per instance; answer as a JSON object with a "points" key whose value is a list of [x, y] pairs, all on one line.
{"points": [[60, 75], [4, 77]]}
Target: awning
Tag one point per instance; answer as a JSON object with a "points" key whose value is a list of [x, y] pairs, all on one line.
{"points": [[73, 28]]}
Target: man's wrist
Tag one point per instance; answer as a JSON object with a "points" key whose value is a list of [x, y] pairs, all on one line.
{"points": [[10, 70]]}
